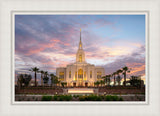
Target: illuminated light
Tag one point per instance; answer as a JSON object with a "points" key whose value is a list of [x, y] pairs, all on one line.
{"points": [[80, 91]]}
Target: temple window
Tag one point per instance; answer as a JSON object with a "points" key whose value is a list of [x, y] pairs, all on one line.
{"points": [[90, 74], [61, 76]]}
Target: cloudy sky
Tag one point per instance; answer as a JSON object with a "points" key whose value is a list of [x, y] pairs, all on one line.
{"points": [[50, 41]]}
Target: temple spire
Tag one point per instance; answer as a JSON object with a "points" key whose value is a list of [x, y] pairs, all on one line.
{"points": [[80, 34], [80, 43]]}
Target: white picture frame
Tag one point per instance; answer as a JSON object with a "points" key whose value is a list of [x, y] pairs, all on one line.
{"points": [[153, 103]]}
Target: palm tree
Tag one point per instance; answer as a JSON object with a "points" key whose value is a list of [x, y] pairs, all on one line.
{"points": [[98, 83], [52, 78], [125, 70], [114, 75], [109, 79], [35, 70], [101, 82], [119, 77], [95, 83], [42, 72], [45, 78], [104, 79]]}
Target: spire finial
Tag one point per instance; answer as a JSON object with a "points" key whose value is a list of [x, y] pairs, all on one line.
{"points": [[80, 43]]}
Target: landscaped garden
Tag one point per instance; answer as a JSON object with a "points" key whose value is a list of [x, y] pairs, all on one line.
{"points": [[55, 91]]}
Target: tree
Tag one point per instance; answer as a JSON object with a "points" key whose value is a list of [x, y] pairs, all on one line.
{"points": [[63, 84], [104, 79], [135, 81], [108, 78], [20, 80], [26, 79], [98, 83], [54, 79], [101, 82], [119, 77], [42, 73], [45, 78], [95, 83], [114, 75], [35, 70], [125, 71]]}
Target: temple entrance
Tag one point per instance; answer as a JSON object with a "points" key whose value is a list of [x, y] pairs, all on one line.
{"points": [[80, 84], [86, 84], [74, 84]]}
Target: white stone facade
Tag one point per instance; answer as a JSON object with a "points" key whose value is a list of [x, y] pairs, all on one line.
{"points": [[80, 73]]}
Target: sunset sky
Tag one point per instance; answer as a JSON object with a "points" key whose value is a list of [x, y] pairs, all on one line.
{"points": [[50, 41]]}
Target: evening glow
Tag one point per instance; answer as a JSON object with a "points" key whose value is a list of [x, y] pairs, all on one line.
{"points": [[51, 41]]}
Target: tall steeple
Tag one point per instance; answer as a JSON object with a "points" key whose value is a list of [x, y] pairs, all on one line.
{"points": [[80, 56], [80, 43]]}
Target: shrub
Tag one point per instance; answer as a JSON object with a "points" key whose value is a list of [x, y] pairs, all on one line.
{"points": [[75, 96], [46, 98], [68, 98], [62, 98], [82, 98], [55, 98], [120, 99], [90, 98], [113, 98]]}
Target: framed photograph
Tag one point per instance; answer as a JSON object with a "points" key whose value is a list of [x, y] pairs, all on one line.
{"points": [[67, 59]]}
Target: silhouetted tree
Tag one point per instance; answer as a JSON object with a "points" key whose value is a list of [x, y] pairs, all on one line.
{"points": [[24, 79], [45, 78], [135, 81], [114, 76], [35, 70], [42, 74], [119, 77], [125, 71]]}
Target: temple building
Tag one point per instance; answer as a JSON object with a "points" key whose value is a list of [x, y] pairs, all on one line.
{"points": [[80, 73]]}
